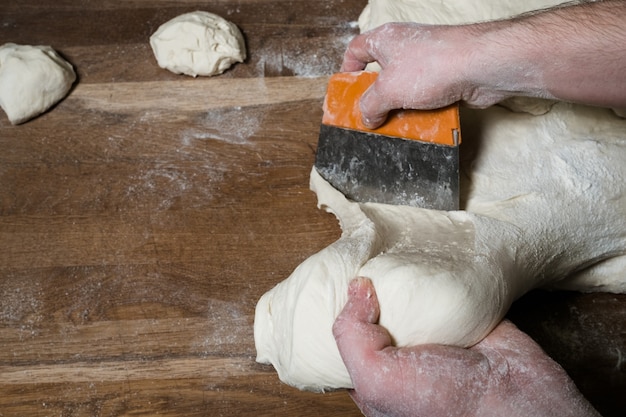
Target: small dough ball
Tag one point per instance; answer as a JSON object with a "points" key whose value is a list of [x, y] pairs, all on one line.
{"points": [[198, 43], [32, 79]]}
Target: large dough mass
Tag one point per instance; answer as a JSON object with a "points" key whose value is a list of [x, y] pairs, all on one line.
{"points": [[545, 204]]}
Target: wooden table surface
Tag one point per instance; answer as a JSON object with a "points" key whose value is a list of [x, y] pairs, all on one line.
{"points": [[143, 216]]}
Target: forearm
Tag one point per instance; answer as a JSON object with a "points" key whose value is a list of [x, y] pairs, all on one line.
{"points": [[575, 53]]}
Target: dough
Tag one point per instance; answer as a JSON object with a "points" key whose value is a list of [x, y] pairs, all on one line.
{"points": [[446, 12], [544, 201], [198, 43], [424, 266], [32, 79]]}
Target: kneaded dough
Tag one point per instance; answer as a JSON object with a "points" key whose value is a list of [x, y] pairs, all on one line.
{"points": [[198, 43], [32, 79], [424, 266], [546, 203], [544, 200]]}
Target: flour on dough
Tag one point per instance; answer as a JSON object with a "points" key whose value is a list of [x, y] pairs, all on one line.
{"points": [[435, 278], [544, 206], [198, 43], [32, 79]]}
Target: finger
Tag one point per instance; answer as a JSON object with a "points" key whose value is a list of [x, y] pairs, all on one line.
{"points": [[357, 55], [374, 108], [358, 337], [361, 308]]}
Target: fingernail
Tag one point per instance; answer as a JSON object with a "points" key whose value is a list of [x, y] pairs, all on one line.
{"points": [[371, 123], [353, 286], [357, 284]]}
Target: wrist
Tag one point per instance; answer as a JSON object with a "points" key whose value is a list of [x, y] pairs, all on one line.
{"points": [[505, 61], [571, 53]]}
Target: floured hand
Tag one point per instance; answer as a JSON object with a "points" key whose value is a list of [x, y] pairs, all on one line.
{"points": [[480, 64], [422, 68], [505, 374]]}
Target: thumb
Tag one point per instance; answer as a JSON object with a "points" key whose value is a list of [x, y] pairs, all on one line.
{"points": [[373, 106], [358, 337]]}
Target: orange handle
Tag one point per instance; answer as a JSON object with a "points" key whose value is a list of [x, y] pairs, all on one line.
{"points": [[341, 109]]}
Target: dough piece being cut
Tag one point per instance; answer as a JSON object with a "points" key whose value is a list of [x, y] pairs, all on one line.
{"points": [[32, 79], [198, 43], [546, 208]]}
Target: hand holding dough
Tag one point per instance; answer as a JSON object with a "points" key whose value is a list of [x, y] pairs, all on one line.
{"points": [[546, 208], [436, 381]]}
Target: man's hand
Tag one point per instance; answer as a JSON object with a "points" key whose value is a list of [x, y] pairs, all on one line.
{"points": [[572, 53], [507, 374], [423, 67]]}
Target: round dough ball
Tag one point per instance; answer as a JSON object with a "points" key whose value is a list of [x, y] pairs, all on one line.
{"points": [[198, 43], [32, 79]]}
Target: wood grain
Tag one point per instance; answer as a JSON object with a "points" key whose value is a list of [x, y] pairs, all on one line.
{"points": [[144, 215]]}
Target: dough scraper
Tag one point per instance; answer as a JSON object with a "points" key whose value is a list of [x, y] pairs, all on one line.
{"points": [[412, 159]]}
